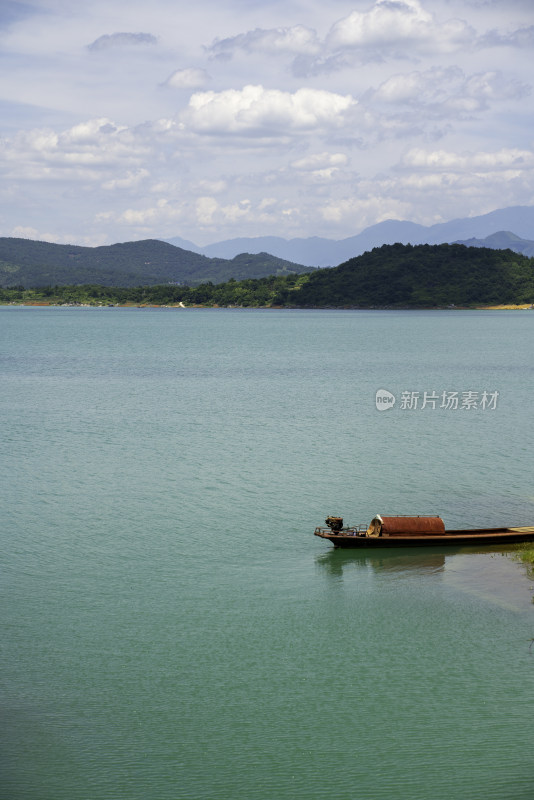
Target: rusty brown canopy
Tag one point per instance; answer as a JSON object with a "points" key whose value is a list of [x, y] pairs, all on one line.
{"points": [[396, 526]]}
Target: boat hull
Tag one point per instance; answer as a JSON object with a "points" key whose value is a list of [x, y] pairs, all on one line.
{"points": [[455, 538]]}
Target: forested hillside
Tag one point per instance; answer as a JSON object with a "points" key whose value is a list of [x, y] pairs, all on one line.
{"points": [[28, 263], [425, 275], [392, 276]]}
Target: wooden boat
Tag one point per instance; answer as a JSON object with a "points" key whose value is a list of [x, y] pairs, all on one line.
{"points": [[416, 532]]}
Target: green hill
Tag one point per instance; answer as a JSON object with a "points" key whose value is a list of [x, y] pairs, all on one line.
{"points": [[425, 275], [28, 263], [392, 276]]}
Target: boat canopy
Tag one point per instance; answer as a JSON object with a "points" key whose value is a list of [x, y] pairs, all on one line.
{"points": [[406, 526]]}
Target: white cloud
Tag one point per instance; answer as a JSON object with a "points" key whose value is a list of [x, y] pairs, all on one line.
{"points": [[209, 211], [205, 208], [368, 206], [188, 78], [109, 41], [427, 196], [395, 109], [401, 25], [22, 232], [311, 66], [320, 168], [320, 161], [296, 40], [417, 88], [448, 90], [507, 159], [81, 152], [214, 187], [520, 38], [130, 180], [493, 86], [256, 110], [388, 29]]}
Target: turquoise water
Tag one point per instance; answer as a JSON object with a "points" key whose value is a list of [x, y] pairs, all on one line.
{"points": [[171, 627]]}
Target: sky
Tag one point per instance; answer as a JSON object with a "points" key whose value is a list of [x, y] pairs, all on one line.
{"points": [[123, 120]]}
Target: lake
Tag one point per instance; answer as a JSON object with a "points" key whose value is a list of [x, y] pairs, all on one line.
{"points": [[171, 627]]}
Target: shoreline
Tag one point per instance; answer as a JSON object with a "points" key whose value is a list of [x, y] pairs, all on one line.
{"points": [[181, 305]]}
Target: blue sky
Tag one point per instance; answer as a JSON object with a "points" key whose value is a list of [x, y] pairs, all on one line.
{"points": [[210, 120]]}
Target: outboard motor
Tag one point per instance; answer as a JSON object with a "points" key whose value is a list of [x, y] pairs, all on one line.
{"points": [[334, 523]]}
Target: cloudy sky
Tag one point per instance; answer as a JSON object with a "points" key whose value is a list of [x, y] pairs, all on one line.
{"points": [[128, 119]]}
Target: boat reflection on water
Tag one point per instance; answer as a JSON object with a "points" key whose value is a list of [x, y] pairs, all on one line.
{"points": [[423, 560]]}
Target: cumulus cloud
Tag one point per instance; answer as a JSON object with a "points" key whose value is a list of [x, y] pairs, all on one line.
{"points": [[320, 161], [206, 211], [416, 88], [369, 205], [80, 152], [493, 86], [403, 25], [388, 29], [162, 211], [255, 110], [268, 149], [131, 179], [305, 66], [297, 40], [520, 38], [109, 41], [24, 232], [444, 184], [431, 195], [318, 168], [448, 91], [506, 159], [189, 78]]}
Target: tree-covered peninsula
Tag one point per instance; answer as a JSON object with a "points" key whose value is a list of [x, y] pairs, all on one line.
{"points": [[425, 275], [391, 276]]}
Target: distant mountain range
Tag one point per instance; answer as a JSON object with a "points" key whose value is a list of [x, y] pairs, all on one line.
{"points": [[316, 251], [502, 240], [27, 263]]}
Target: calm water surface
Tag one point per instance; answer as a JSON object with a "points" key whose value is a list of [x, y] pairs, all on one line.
{"points": [[171, 627]]}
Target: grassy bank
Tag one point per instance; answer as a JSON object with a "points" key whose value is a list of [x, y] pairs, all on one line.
{"points": [[525, 554]]}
